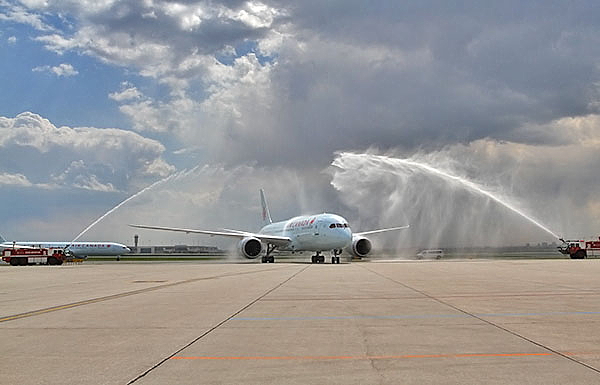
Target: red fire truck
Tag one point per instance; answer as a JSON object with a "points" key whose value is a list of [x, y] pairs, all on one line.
{"points": [[579, 249], [30, 256]]}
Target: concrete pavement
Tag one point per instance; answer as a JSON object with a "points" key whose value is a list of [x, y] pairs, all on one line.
{"points": [[412, 322]]}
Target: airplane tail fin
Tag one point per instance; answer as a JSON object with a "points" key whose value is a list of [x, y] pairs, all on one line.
{"points": [[266, 215]]}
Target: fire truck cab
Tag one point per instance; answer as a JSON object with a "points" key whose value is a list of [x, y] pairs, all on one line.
{"points": [[580, 249]]}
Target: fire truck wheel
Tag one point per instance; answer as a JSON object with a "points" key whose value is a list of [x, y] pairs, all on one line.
{"points": [[580, 254], [59, 262], [23, 261], [52, 261], [14, 261]]}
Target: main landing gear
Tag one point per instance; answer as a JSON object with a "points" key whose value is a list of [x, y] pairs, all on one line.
{"points": [[318, 258], [269, 258]]}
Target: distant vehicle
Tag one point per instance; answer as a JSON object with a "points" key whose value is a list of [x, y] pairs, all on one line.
{"points": [[317, 233], [30, 256], [78, 249], [580, 249], [430, 254]]}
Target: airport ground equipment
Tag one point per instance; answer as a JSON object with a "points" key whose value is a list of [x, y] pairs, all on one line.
{"points": [[580, 249], [431, 254], [31, 256]]}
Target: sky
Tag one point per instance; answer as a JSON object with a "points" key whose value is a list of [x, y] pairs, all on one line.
{"points": [[314, 101]]}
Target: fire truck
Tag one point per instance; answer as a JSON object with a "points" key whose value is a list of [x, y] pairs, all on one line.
{"points": [[579, 249], [30, 256]]}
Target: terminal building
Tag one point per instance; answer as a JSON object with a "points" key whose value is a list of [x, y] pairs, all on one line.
{"points": [[176, 249], [173, 249]]}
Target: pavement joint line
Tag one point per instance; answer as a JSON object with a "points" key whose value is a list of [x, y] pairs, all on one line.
{"points": [[350, 357], [413, 316], [122, 295], [514, 333], [492, 295], [169, 357]]}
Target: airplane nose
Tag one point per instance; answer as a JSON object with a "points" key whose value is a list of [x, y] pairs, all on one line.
{"points": [[127, 249], [348, 236]]}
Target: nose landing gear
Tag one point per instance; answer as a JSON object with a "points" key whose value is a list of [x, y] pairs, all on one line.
{"points": [[335, 258]]}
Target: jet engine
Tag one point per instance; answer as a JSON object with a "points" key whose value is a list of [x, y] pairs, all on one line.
{"points": [[360, 246], [250, 247]]}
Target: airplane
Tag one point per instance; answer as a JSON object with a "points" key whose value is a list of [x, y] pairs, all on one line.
{"points": [[315, 233], [77, 249]]}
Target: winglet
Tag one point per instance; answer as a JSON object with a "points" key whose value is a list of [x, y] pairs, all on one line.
{"points": [[266, 215]]}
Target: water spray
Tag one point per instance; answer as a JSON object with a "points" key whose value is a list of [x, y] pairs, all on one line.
{"points": [[161, 181], [472, 186]]}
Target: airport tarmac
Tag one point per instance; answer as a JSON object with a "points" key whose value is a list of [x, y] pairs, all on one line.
{"points": [[410, 322]]}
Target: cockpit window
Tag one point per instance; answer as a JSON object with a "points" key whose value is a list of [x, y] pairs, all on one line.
{"points": [[338, 225]]}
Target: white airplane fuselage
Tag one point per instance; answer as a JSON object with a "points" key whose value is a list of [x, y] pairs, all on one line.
{"points": [[317, 233], [80, 249], [313, 232]]}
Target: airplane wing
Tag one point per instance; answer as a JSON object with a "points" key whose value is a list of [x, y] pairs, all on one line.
{"points": [[273, 239], [12, 245], [382, 230]]}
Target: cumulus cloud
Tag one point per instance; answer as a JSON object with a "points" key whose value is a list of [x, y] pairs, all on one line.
{"points": [[82, 157], [80, 176], [224, 119], [128, 92], [14, 179], [17, 13], [61, 70], [159, 38], [582, 131]]}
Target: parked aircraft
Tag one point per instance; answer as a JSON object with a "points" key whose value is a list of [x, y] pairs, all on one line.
{"points": [[78, 249], [316, 233]]}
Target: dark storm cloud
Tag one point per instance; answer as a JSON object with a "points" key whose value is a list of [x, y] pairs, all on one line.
{"points": [[151, 23], [412, 75], [491, 68]]}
